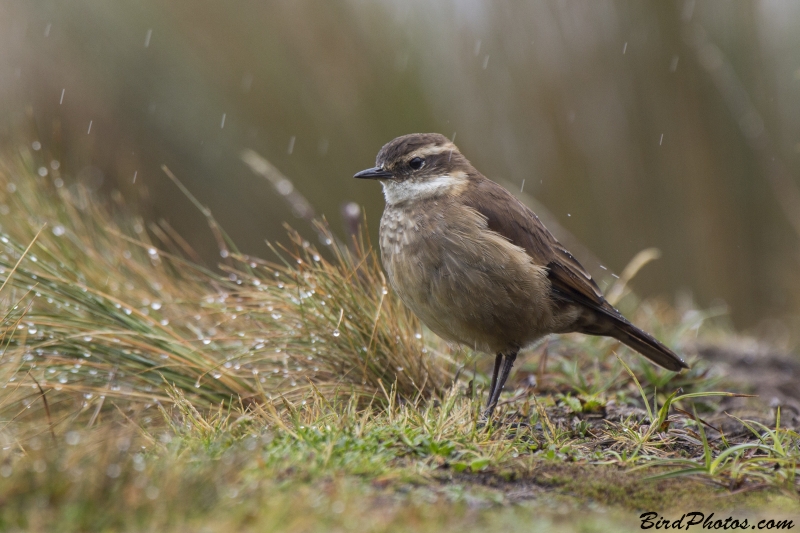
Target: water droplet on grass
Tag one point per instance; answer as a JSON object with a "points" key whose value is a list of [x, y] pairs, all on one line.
{"points": [[113, 470]]}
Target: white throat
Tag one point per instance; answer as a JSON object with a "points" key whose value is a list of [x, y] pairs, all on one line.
{"points": [[403, 191]]}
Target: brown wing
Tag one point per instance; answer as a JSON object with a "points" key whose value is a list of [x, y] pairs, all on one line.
{"points": [[570, 282], [513, 220]]}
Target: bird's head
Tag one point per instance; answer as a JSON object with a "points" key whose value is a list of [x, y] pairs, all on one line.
{"points": [[419, 166]]}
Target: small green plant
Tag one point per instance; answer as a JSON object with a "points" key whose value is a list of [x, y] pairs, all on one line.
{"points": [[772, 459]]}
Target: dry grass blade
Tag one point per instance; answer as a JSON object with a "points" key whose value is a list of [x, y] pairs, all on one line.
{"points": [[336, 321], [94, 309]]}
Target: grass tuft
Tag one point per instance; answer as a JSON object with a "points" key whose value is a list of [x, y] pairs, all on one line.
{"points": [[143, 391]]}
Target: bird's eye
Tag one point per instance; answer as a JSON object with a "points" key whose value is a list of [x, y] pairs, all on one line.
{"points": [[416, 163]]}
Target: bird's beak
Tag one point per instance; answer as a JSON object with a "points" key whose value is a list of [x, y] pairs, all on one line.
{"points": [[374, 173]]}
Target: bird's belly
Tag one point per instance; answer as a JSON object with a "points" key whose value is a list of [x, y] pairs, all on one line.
{"points": [[471, 287]]}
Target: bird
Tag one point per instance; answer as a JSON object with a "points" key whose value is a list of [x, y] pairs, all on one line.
{"points": [[478, 267]]}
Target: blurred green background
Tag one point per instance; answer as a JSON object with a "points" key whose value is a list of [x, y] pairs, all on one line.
{"points": [[670, 124]]}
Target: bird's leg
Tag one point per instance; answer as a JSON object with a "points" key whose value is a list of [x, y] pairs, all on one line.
{"points": [[501, 382], [507, 364], [497, 362]]}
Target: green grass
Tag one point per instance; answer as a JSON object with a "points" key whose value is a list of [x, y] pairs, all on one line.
{"points": [[141, 391]]}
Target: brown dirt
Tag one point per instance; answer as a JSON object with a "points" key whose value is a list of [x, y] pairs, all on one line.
{"points": [[758, 369]]}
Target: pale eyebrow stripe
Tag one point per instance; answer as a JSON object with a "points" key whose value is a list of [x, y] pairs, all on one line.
{"points": [[434, 150]]}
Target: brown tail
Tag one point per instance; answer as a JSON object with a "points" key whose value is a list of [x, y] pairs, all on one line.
{"points": [[647, 345], [612, 324]]}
